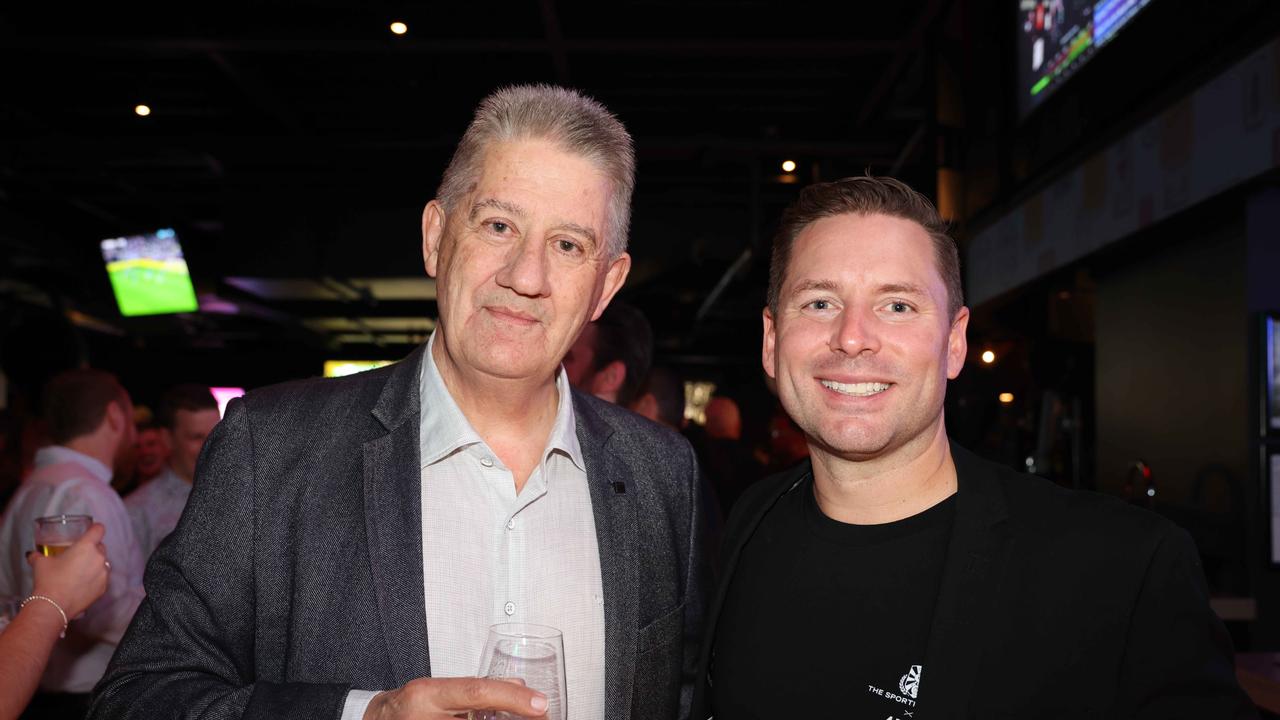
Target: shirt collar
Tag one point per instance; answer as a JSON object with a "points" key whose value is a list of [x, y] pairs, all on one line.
{"points": [[54, 454], [444, 429]]}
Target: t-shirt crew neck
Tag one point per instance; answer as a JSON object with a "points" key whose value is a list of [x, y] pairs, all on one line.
{"points": [[829, 619]]}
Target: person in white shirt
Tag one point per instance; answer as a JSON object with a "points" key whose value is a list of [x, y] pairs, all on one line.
{"points": [[186, 414], [90, 420]]}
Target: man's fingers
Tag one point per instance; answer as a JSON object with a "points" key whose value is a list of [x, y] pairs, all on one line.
{"points": [[486, 694]]}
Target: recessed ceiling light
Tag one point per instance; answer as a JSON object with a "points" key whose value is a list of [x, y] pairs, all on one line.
{"points": [[788, 166], [988, 357], [399, 28], [1006, 398], [142, 110]]}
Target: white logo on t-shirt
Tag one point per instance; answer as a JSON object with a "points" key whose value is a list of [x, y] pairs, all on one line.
{"points": [[910, 683]]}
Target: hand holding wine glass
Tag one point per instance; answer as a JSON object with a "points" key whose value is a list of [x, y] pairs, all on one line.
{"points": [[533, 654], [449, 698]]}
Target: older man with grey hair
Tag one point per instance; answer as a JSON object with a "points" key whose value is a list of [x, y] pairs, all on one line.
{"points": [[348, 543]]}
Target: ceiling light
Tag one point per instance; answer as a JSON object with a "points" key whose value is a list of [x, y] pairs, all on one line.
{"points": [[1006, 398], [399, 28], [788, 166], [988, 357], [142, 110]]}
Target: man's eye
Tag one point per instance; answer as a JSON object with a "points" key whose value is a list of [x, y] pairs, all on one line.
{"points": [[820, 305], [499, 227], [899, 307], [568, 247]]}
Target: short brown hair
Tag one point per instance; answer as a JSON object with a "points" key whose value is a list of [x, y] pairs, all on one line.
{"points": [[865, 195], [75, 401], [623, 333], [189, 397]]}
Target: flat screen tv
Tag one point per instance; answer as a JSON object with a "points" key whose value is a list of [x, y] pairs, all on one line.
{"points": [[149, 274], [1057, 37]]}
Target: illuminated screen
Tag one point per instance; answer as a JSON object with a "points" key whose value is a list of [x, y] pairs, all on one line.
{"points": [[342, 368], [1057, 37], [149, 275], [224, 395]]}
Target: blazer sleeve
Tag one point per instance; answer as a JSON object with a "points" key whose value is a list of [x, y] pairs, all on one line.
{"points": [[697, 585], [190, 650], [1178, 659]]}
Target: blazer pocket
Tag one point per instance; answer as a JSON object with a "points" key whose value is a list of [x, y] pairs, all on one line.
{"points": [[666, 629]]}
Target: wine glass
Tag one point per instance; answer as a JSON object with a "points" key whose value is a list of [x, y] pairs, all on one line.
{"points": [[532, 653]]}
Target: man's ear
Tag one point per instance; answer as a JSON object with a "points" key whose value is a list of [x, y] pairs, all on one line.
{"points": [[767, 351], [614, 277], [958, 343], [609, 379], [432, 235], [116, 417]]}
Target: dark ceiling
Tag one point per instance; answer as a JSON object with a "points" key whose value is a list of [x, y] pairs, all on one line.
{"points": [[299, 141]]}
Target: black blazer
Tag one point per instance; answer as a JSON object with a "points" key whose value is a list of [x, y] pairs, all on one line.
{"points": [[295, 572], [1053, 604]]}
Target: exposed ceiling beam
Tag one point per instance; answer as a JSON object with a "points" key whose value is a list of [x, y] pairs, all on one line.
{"points": [[908, 47]]}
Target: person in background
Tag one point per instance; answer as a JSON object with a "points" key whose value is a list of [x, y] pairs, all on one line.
{"points": [[64, 587], [895, 574], [151, 451], [726, 460], [186, 415], [89, 417], [662, 398], [612, 356]]}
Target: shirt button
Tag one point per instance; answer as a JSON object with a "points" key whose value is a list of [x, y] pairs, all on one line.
{"points": [[511, 524], [486, 461], [509, 609]]}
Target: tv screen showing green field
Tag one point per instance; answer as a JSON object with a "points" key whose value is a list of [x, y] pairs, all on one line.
{"points": [[149, 274]]}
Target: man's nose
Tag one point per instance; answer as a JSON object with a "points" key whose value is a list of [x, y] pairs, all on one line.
{"points": [[525, 270], [854, 332]]}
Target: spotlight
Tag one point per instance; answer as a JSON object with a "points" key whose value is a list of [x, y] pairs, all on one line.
{"points": [[1006, 398], [142, 110], [788, 166], [988, 357], [399, 28]]}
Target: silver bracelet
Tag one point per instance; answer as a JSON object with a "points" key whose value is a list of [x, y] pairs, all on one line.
{"points": [[49, 600]]}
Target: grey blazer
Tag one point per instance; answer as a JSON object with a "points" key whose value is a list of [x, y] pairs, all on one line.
{"points": [[295, 572]]}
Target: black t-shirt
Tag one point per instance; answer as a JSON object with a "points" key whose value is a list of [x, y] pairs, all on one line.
{"points": [[825, 619]]}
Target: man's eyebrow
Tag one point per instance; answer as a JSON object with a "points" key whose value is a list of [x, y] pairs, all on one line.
{"points": [[507, 207], [808, 285], [900, 289], [516, 211], [577, 229]]}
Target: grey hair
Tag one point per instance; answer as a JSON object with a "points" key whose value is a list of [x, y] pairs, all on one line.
{"points": [[575, 122]]}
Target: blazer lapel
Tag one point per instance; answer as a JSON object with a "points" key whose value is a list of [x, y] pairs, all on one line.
{"points": [[393, 521], [615, 519], [963, 615]]}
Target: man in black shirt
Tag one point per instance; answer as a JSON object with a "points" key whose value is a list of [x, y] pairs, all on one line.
{"points": [[895, 575]]}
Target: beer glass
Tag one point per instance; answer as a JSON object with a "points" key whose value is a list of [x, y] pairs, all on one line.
{"points": [[56, 533]]}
